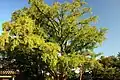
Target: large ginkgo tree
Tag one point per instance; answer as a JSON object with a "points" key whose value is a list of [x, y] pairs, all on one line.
{"points": [[52, 41]]}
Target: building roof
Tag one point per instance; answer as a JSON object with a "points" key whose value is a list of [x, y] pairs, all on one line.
{"points": [[7, 72]]}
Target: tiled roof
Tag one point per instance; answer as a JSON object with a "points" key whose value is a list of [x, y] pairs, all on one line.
{"points": [[7, 72]]}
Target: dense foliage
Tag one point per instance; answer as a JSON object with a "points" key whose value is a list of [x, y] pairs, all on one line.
{"points": [[110, 69], [52, 42]]}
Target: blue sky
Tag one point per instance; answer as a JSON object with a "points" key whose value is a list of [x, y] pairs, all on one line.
{"points": [[107, 10]]}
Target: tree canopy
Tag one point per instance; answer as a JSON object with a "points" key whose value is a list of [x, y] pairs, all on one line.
{"points": [[52, 41]]}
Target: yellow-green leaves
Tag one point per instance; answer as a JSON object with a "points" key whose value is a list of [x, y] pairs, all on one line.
{"points": [[50, 54], [58, 34], [23, 31]]}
